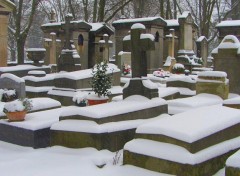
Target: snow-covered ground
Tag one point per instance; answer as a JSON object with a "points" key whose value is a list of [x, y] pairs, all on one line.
{"points": [[61, 161]]}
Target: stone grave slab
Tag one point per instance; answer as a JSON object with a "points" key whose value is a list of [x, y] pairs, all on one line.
{"points": [[22, 70], [185, 104], [105, 126], [129, 109], [233, 165], [33, 132], [38, 86], [196, 142], [66, 84], [232, 102]]}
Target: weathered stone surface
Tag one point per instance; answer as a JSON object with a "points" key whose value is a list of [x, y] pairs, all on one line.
{"points": [[232, 171], [220, 89], [227, 59], [7, 83], [191, 86], [20, 136], [136, 87], [112, 141], [141, 114], [207, 168], [196, 146]]}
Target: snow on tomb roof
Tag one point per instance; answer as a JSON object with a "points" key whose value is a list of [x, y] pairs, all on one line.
{"points": [[145, 20], [201, 38], [184, 14], [142, 36], [12, 77], [129, 104], [172, 22], [21, 67], [98, 26], [228, 23], [138, 26], [213, 74], [195, 124]]}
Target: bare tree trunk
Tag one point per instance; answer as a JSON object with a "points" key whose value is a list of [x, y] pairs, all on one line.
{"points": [[85, 9], [71, 9], [101, 10], [95, 11], [21, 34]]}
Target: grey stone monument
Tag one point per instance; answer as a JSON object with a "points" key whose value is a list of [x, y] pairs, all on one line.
{"points": [[66, 61], [202, 49], [105, 44], [138, 43], [227, 58]]}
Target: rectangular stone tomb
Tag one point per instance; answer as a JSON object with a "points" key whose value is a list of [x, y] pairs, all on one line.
{"points": [[81, 79], [196, 129], [172, 159], [185, 104], [131, 108], [34, 131], [83, 133], [195, 142], [38, 104]]}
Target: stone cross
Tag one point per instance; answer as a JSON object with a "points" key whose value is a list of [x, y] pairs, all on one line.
{"points": [[68, 19], [106, 44], [138, 43]]}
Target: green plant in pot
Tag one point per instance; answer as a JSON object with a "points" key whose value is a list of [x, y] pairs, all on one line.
{"points": [[178, 68], [17, 109], [101, 83]]}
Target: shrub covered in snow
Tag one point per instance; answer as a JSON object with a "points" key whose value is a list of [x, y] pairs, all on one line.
{"points": [[18, 105], [7, 95], [178, 68], [101, 81]]}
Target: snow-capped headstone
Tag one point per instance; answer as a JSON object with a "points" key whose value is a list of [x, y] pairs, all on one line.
{"points": [[10, 81], [227, 58], [67, 61], [139, 43]]}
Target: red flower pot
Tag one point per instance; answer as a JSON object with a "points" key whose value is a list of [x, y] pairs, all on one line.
{"points": [[95, 101], [16, 116]]}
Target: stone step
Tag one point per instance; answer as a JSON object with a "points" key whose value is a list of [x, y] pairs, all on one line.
{"points": [[196, 129], [131, 108], [172, 159]]}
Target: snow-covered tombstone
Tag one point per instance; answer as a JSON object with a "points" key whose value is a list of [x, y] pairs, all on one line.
{"points": [[12, 82], [213, 82], [139, 43], [227, 58], [105, 46]]}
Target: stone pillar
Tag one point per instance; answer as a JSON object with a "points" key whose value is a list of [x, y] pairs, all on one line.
{"points": [[105, 44], [202, 49], [3, 39], [227, 58], [186, 36], [53, 49]]}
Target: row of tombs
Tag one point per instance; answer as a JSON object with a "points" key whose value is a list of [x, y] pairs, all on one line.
{"points": [[197, 141]]}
